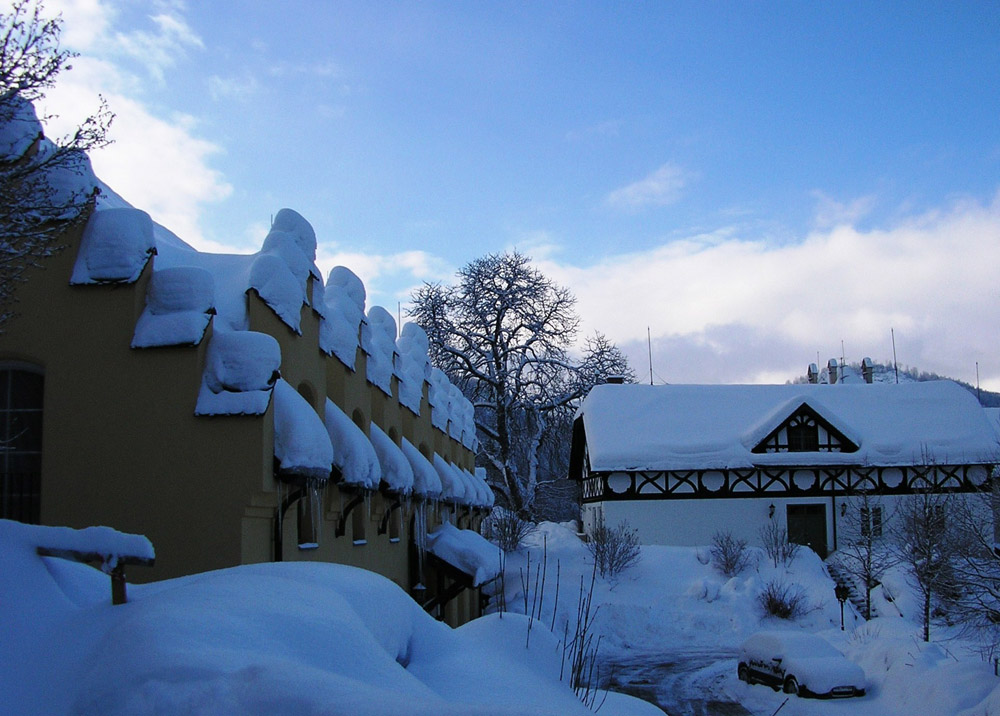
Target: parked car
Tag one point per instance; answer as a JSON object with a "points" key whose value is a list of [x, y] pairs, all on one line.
{"points": [[799, 663]]}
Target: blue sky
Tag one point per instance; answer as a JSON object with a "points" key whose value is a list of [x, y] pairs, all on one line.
{"points": [[753, 182]]}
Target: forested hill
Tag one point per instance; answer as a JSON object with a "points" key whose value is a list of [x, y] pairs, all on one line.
{"points": [[884, 373]]}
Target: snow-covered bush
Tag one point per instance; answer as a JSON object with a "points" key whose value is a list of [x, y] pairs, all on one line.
{"points": [[614, 549], [784, 600], [729, 554], [507, 528], [779, 550]]}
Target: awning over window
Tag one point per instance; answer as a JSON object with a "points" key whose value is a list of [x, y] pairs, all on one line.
{"points": [[466, 551], [397, 475], [353, 454]]}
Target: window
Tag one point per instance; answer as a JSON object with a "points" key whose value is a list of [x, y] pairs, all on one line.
{"points": [[21, 393], [871, 521], [803, 435]]}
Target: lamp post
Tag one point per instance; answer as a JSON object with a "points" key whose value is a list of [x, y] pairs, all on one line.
{"points": [[842, 593]]}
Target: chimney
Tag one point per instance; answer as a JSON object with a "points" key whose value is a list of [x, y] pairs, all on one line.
{"points": [[812, 373], [615, 379], [831, 369], [868, 370]]}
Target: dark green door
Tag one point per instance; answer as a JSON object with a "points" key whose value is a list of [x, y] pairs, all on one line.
{"points": [[807, 525]]}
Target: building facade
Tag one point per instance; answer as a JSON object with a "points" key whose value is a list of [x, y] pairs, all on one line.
{"points": [[682, 462], [234, 409]]}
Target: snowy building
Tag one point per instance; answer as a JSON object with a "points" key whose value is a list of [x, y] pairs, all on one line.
{"points": [[681, 462], [233, 408]]}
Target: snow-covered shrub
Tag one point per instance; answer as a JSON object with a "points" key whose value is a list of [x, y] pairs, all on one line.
{"points": [[784, 600], [507, 528], [729, 554], [614, 549], [779, 550]]}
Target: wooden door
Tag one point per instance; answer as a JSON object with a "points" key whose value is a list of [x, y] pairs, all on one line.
{"points": [[807, 526]]}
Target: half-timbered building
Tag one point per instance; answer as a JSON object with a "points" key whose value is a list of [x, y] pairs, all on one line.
{"points": [[681, 462]]}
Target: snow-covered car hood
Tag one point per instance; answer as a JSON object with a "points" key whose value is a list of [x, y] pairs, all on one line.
{"points": [[821, 674]]}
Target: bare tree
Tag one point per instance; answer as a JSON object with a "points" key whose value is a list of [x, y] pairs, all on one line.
{"points": [[863, 552], [924, 532], [42, 195], [503, 333], [977, 566]]}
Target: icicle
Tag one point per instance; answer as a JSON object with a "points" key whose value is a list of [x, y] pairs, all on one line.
{"points": [[317, 508]]}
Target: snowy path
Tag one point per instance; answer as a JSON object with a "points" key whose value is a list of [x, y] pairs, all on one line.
{"points": [[695, 682], [702, 682]]}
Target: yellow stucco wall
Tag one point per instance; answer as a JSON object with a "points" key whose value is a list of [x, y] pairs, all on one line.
{"points": [[122, 446]]}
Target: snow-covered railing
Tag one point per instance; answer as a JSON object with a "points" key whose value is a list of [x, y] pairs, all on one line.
{"points": [[111, 548]]}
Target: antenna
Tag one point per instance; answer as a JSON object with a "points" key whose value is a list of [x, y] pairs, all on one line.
{"points": [[895, 365], [649, 344], [842, 358]]}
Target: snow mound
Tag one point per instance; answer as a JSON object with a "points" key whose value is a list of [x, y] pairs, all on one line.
{"points": [[343, 311], [115, 247], [301, 443], [378, 339], [179, 305], [413, 365], [353, 454], [268, 638], [240, 370]]}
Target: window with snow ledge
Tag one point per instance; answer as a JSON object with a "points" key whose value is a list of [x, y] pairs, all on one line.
{"points": [[21, 392]]}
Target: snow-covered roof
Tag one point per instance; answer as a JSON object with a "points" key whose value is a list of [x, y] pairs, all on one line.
{"points": [[467, 551], [20, 130], [353, 454], [301, 443], [993, 415], [671, 427]]}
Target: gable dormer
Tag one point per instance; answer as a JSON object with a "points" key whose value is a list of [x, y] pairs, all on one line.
{"points": [[805, 431]]}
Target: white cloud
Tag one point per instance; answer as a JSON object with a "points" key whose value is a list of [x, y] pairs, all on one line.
{"points": [[232, 88], [830, 212], [762, 309], [389, 278], [158, 163], [660, 188]]}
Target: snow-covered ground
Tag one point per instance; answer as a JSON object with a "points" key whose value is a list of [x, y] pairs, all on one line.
{"points": [[287, 638], [670, 628]]}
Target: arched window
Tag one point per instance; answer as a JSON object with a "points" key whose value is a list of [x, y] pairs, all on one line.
{"points": [[21, 390]]}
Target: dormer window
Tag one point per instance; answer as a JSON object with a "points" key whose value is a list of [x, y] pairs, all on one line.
{"points": [[805, 431], [803, 434]]}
